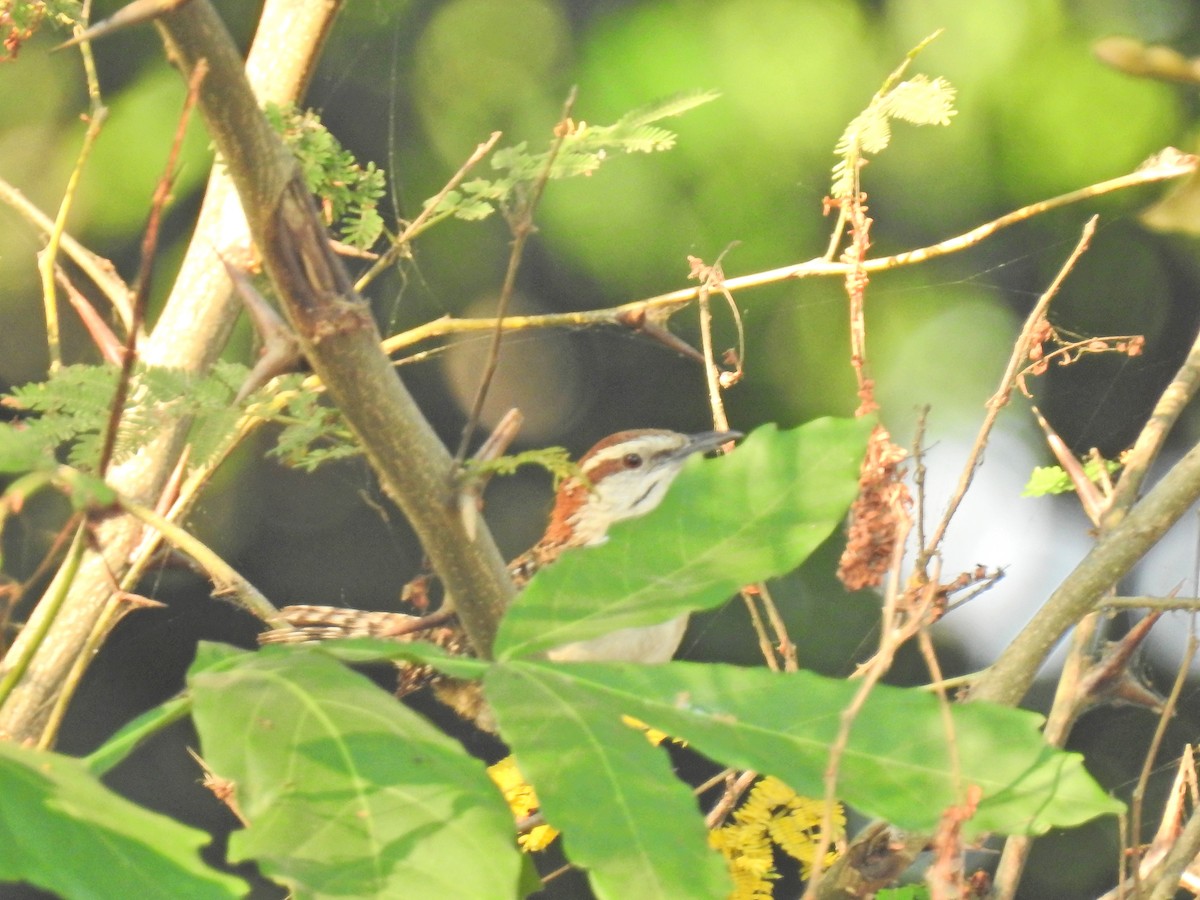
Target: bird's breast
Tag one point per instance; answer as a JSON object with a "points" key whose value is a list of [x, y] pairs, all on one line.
{"points": [[650, 644]]}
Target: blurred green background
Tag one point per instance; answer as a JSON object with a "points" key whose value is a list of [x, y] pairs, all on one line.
{"points": [[414, 86]]}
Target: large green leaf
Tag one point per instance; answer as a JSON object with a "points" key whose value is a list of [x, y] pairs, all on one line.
{"points": [[627, 819], [64, 831], [897, 765], [347, 793], [754, 514]]}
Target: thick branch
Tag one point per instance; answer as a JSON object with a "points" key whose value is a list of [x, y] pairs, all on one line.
{"points": [[1007, 680], [335, 327], [190, 333]]}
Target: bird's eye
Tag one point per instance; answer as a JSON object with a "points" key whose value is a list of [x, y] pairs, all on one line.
{"points": [[632, 460]]}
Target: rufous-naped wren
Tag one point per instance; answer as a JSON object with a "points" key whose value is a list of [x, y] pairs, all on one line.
{"points": [[624, 476]]}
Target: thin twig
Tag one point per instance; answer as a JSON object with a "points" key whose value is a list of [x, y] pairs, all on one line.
{"points": [[131, 14], [784, 642], [1160, 730], [522, 227], [733, 792], [141, 291], [53, 598], [48, 257], [918, 456], [97, 268], [1091, 498], [415, 227], [760, 631], [1150, 439], [710, 783], [1007, 382], [711, 278], [874, 672], [470, 495], [1169, 164], [1164, 880], [109, 345], [856, 285], [227, 581], [925, 643]]}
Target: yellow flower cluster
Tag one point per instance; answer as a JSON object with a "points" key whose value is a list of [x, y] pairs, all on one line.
{"points": [[772, 815], [523, 802]]}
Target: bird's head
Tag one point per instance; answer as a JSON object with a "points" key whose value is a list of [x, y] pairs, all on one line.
{"points": [[625, 475]]}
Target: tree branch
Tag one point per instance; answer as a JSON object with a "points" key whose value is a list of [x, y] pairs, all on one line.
{"points": [[335, 328], [190, 333], [1007, 680]]}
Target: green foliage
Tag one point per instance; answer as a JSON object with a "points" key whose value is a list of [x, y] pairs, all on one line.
{"points": [[1055, 480], [314, 432], [626, 818], [348, 192], [345, 788], [555, 460], [918, 100], [897, 765], [65, 832], [348, 793], [24, 454], [581, 152], [755, 514], [70, 410]]}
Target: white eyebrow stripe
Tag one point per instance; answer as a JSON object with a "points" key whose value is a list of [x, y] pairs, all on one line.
{"points": [[653, 445]]}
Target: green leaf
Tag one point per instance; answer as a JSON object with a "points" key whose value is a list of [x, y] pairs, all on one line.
{"points": [[580, 153], [364, 650], [347, 792], [73, 408], [754, 514], [23, 451], [919, 101], [1055, 480], [626, 818], [85, 491], [897, 765], [1045, 480], [314, 432], [65, 832], [348, 190], [668, 107], [132, 735]]}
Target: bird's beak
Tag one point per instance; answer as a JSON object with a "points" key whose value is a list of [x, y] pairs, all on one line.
{"points": [[706, 441]]}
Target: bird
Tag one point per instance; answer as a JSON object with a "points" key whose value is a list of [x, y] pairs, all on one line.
{"points": [[624, 476]]}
